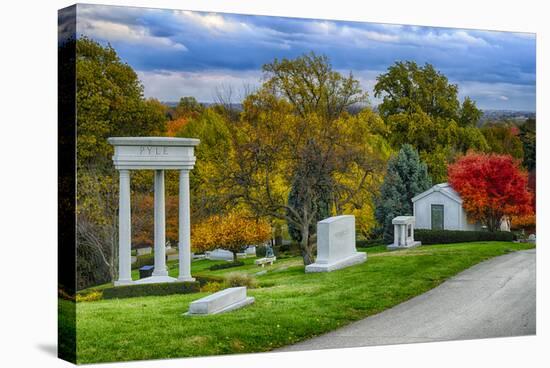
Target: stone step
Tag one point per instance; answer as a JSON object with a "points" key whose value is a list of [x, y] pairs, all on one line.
{"points": [[222, 301]]}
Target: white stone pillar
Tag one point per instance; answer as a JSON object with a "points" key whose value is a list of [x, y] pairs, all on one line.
{"points": [[160, 237], [396, 235], [184, 229], [124, 230], [403, 241]]}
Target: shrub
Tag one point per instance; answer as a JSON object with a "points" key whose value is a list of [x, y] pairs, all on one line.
{"points": [[428, 237], [223, 266], [260, 251], [212, 287], [61, 293], [131, 291], [241, 279], [363, 243], [527, 222], [144, 260], [92, 296], [203, 280]]}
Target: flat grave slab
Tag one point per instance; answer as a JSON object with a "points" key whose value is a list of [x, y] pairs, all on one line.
{"points": [[223, 301]]}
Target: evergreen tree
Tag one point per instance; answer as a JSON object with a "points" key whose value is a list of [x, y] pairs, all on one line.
{"points": [[528, 137], [406, 177]]}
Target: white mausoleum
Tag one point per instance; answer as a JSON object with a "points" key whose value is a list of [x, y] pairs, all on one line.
{"points": [[440, 208], [158, 154]]}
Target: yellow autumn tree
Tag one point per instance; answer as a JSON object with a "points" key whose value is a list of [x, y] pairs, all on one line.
{"points": [[232, 231]]}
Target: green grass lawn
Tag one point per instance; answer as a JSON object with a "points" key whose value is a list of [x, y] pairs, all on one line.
{"points": [[291, 306]]}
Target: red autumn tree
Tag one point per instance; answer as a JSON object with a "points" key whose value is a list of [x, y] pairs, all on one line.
{"points": [[491, 186]]}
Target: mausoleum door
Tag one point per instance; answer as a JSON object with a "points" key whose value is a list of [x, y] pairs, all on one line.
{"points": [[437, 217]]}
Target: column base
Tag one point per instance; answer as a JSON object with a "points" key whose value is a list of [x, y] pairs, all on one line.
{"points": [[155, 280], [160, 273], [406, 246], [357, 258], [186, 278], [124, 282]]}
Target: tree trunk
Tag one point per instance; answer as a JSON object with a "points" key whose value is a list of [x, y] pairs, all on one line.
{"points": [[305, 246], [493, 220]]}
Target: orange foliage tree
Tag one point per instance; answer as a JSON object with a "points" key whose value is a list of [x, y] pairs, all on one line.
{"points": [[232, 231], [527, 223], [174, 126], [491, 186], [143, 219]]}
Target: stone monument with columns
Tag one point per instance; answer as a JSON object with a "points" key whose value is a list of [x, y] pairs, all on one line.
{"points": [[158, 154], [403, 233]]}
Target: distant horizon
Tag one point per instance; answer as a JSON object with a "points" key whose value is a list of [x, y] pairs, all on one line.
{"points": [[175, 102], [178, 53]]}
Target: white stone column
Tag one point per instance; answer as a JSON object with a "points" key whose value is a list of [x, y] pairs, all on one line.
{"points": [[396, 235], [160, 236], [124, 230], [403, 241], [184, 229]]}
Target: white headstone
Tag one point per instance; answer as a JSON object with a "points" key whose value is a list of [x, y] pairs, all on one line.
{"points": [[172, 257], [220, 302], [143, 251], [220, 255], [336, 245], [251, 250], [403, 233]]}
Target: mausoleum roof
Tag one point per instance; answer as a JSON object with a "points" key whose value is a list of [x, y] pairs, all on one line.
{"points": [[443, 188]]}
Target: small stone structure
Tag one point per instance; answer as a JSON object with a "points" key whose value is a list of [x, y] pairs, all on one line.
{"points": [[403, 233], [223, 301], [336, 245]]}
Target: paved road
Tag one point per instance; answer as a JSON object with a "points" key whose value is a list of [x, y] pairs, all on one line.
{"points": [[494, 298]]}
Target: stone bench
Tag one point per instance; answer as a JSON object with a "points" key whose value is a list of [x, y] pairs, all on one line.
{"points": [[263, 261], [223, 301]]}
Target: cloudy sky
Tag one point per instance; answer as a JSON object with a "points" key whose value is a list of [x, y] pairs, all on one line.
{"points": [[182, 53]]}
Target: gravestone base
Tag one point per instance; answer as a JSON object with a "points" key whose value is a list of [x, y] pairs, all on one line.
{"points": [[190, 279], [354, 259], [155, 280], [413, 244]]}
